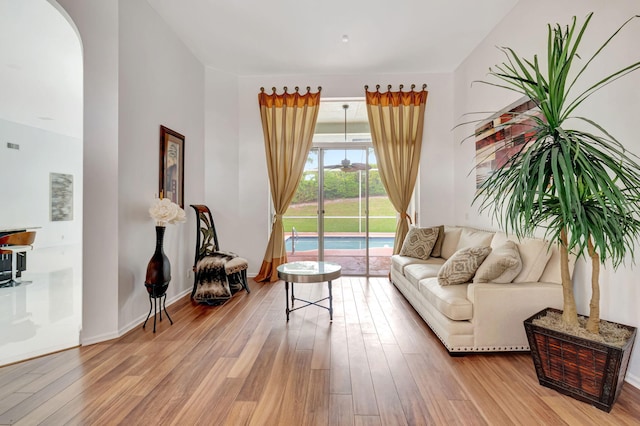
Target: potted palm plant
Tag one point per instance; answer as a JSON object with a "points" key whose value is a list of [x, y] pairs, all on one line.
{"points": [[582, 187]]}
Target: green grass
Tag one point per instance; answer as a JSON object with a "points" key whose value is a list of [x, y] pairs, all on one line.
{"points": [[378, 206]]}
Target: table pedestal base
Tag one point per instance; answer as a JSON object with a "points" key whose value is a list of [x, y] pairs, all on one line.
{"points": [[316, 303]]}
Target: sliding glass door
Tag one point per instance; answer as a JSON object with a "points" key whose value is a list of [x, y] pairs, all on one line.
{"points": [[341, 212]]}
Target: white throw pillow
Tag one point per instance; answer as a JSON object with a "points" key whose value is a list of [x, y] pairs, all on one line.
{"points": [[461, 267], [470, 237], [419, 242], [535, 254], [501, 266]]}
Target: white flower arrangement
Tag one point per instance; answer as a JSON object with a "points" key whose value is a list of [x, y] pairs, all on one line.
{"points": [[166, 211]]}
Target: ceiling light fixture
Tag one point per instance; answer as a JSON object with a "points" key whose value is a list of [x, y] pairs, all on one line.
{"points": [[345, 38], [346, 165]]}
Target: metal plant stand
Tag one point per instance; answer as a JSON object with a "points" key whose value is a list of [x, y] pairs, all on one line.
{"points": [[154, 295]]}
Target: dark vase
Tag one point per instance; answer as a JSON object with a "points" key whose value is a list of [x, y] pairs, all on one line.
{"points": [[159, 268]]}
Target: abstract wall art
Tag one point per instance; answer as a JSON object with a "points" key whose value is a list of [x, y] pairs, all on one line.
{"points": [[502, 136], [61, 194]]}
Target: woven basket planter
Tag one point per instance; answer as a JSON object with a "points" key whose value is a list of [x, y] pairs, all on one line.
{"points": [[588, 371]]}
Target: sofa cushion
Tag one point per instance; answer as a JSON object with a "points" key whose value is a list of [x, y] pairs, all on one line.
{"points": [[437, 247], [450, 241], [534, 253], [449, 301], [474, 238], [416, 272], [400, 262], [552, 272], [461, 267], [501, 266], [419, 242]]}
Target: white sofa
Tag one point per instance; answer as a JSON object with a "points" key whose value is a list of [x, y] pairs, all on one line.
{"points": [[480, 317]]}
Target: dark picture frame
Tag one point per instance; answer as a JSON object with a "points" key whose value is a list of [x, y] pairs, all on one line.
{"points": [[172, 165]]}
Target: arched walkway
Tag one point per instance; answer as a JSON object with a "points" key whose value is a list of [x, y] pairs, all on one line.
{"points": [[41, 116]]}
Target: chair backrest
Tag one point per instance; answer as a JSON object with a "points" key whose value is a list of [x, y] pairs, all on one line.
{"points": [[25, 238], [206, 236]]}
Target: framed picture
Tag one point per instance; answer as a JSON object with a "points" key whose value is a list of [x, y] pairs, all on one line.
{"points": [[172, 165], [61, 197], [502, 136]]}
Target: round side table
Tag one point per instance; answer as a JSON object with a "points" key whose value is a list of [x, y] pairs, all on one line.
{"points": [[308, 272]]}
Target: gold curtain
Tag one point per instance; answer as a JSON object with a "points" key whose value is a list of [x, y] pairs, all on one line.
{"points": [[288, 123], [396, 120]]}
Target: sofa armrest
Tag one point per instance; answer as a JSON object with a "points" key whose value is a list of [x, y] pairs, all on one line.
{"points": [[500, 309]]}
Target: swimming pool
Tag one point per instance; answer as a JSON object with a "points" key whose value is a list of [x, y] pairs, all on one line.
{"points": [[339, 243]]}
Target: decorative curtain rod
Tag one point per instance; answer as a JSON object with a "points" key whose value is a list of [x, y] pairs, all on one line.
{"points": [[285, 89], [413, 86]]}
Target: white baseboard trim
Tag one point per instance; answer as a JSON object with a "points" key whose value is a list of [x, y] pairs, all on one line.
{"points": [[97, 339], [137, 322], [633, 380]]}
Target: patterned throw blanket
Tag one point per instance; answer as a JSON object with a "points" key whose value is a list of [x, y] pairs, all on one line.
{"points": [[213, 286]]}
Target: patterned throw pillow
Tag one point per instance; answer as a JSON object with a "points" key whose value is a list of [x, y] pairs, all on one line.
{"points": [[419, 242], [461, 267], [501, 266]]}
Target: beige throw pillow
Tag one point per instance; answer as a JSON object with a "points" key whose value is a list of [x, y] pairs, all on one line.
{"points": [[437, 247], [461, 267], [419, 242], [501, 266]]}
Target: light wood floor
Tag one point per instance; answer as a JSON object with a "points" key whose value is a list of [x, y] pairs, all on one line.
{"points": [[242, 363]]}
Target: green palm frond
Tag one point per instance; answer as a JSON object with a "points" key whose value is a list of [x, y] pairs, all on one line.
{"points": [[583, 181]]}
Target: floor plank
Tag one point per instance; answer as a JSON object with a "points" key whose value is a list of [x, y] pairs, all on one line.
{"points": [[242, 363]]}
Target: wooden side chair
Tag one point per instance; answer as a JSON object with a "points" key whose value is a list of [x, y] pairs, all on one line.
{"points": [[14, 244], [217, 274]]}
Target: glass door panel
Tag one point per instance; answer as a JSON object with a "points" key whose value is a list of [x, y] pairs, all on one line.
{"points": [[343, 214], [345, 206], [301, 218]]}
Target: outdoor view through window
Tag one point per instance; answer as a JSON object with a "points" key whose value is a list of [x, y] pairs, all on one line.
{"points": [[341, 212]]}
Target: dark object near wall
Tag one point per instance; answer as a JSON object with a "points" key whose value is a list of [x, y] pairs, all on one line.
{"points": [[217, 274], [588, 371], [157, 279]]}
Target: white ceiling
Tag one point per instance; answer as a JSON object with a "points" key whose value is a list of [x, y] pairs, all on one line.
{"points": [[266, 37], [41, 60], [40, 68]]}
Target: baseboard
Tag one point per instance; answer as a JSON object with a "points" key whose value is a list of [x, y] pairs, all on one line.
{"points": [[130, 326], [633, 380], [97, 339]]}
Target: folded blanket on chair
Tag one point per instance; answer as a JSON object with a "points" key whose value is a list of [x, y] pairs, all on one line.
{"points": [[212, 285]]}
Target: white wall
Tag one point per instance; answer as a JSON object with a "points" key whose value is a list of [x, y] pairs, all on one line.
{"points": [[137, 76], [436, 175], [97, 24], [616, 108], [222, 159], [160, 83], [27, 171]]}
